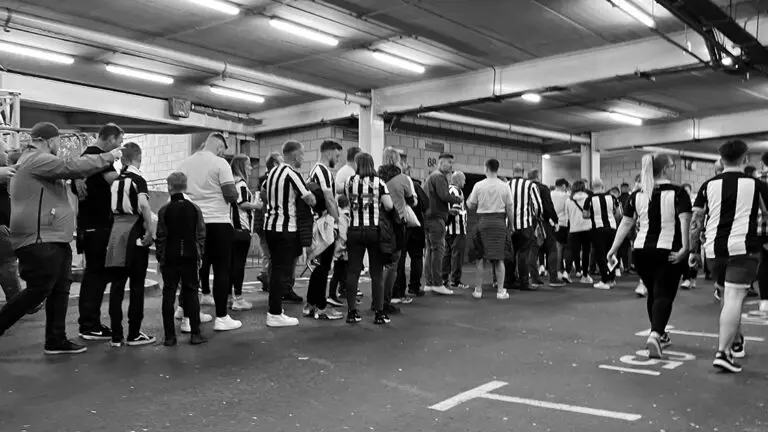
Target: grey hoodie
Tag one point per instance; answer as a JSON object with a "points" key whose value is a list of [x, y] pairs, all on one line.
{"points": [[40, 207]]}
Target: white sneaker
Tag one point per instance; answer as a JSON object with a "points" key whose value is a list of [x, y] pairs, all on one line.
{"points": [[204, 317], [226, 323], [578, 274], [281, 320], [396, 300], [308, 310], [618, 272], [241, 304], [686, 284], [566, 278], [477, 293], [185, 327], [442, 290], [329, 313], [542, 270], [587, 280], [502, 294], [179, 313], [207, 300], [763, 305], [428, 288], [601, 286], [641, 290]]}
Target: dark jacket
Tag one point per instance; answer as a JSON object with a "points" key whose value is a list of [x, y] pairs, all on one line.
{"points": [[416, 237], [440, 198], [180, 231], [391, 230], [548, 207]]}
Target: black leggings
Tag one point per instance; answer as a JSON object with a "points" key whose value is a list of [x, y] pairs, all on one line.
{"points": [[662, 279], [579, 242], [240, 250]]}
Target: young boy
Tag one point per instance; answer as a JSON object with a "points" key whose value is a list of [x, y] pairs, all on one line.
{"points": [[339, 277], [128, 248], [180, 242]]}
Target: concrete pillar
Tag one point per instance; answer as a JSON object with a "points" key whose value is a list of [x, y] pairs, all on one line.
{"points": [[586, 161], [371, 130], [595, 166]]}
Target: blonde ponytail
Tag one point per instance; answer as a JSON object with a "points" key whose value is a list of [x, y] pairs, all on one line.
{"points": [[646, 175]]}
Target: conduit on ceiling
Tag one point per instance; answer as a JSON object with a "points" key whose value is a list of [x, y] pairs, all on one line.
{"points": [[136, 47], [524, 130]]}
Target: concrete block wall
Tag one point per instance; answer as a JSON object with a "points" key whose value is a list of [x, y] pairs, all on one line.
{"points": [[161, 155], [556, 167], [310, 137], [624, 168]]}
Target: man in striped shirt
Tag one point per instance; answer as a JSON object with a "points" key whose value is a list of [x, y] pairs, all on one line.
{"points": [[321, 174], [730, 202], [526, 205], [128, 248], [602, 208], [284, 184], [455, 234]]}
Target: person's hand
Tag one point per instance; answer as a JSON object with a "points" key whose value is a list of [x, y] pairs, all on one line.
{"points": [[147, 240], [310, 200], [117, 153], [694, 260], [678, 257], [6, 174], [81, 188]]}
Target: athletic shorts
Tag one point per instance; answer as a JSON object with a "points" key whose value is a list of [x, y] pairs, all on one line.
{"points": [[738, 270]]}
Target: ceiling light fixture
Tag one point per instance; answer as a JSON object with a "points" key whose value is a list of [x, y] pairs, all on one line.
{"points": [[531, 97], [36, 53], [635, 12], [139, 74], [624, 118], [237, 94], [399, 62], [302, 31], [727, 61], [546, 156], [218, 5]]}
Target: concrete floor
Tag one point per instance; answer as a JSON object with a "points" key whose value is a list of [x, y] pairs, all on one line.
{"points": [[546, 346]]}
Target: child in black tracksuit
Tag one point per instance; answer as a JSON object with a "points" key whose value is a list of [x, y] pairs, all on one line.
{"points": [[180, 242]]}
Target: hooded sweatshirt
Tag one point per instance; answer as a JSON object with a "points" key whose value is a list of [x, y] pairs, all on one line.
{"points": [[399, 186], [40, 207], [574, 210]]}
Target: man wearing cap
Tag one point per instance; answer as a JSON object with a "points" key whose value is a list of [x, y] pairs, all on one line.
{"points": [[211, 186], [440, 200], [94, 223], [42, 225]]}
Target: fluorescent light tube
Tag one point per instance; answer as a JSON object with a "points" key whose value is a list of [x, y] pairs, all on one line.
{"points": [[635, 12], [139, 74], [302, 31], [36, 53], [399, 62], [624, 118], [531, 97], [237, 94], [546, 156], [218, 5]]}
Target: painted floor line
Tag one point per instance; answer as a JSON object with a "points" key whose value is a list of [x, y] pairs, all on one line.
{"points": [[467, 396], [645, 333], [563, 407], [630, 370]]}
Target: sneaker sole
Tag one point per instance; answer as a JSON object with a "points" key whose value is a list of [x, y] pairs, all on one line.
{"points": [[654, 349], [328, 318], [141, 343], [227, 329], [63, 352], [237, 309], [282, 325], [95, 338], [725, 366], [739, 355]]}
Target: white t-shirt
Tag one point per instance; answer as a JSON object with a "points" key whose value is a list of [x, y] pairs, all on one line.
{"points": [[342, 175], [206, 173]]}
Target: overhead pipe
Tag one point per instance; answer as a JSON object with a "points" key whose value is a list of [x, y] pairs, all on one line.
{"points": [[524, 130], [106, 40], [681, 153]]}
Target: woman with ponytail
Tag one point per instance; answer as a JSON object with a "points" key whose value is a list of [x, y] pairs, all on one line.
{"points": [[663, 214]]}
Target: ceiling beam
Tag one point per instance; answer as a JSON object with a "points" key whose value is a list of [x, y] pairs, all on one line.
{"points": [[636, 58], [311, 113], [60, 94], [713, 127]]}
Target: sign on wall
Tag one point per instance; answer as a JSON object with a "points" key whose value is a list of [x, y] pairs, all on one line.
{"points": [[432, 150]]}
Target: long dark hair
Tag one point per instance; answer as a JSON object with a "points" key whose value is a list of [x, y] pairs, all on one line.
{"points": [[365, 166], [578, 186], [239, 164]]}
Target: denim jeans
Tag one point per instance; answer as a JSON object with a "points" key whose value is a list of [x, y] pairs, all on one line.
{"points": [[47, 268], [455, 245], [433, 264], [9, 268], [284, 249], [93, 243]]}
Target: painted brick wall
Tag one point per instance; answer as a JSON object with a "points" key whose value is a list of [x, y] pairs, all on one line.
{"points": [[161, 155], [624, 168], [311, 138], [556, 167]]}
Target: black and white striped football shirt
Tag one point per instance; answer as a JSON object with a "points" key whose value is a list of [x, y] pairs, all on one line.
{"points": [[364, 194], [526, 202], [284, 184], [457, 224], [732, 201], [323, 176], [658, 218], [126, 189], [602, 208], [245, 217]]}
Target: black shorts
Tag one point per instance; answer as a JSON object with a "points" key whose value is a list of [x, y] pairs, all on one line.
{"points": [[738, 270], [561, 235]]}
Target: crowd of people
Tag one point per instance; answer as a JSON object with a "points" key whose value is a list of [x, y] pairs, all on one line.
{"points": [[360, 217]]}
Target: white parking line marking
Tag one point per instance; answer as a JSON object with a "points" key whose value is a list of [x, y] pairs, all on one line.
{"points": [[483, 392], [670, 330], [630, 370]]}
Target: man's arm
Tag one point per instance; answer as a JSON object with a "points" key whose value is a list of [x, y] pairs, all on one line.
{"points": [[549, 207], [413, 192], [536, 200], [443, 192], [160, 236], [200, 233], [49, 166], [227, 182], [697, 225], [6, 174]]}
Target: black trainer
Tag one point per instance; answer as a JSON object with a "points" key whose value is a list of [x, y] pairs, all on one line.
{"points": [[381, 318], [140, 339], [665, 341], [264, 282], [726, 363], [737, 348], [391, 309], [292, 297], [197, 339], [169, 342], [64, 347], [353, 317], [102, 334]]}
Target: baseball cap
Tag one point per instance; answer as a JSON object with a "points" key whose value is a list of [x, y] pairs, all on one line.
{"points": [[44, 131]]}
